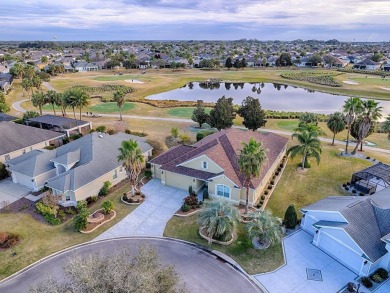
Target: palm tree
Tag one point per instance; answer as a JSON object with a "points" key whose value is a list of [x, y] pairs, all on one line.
{"points": [[119, 99], [53, 98], [26, 85], [38, 100], [29, 72], [352, 107], [265, 228], [82, 99], [309, 146], [133, 160], [370, 113], [68, 99], [220, 218], [336, 124], [386, 126], [250, 161]]}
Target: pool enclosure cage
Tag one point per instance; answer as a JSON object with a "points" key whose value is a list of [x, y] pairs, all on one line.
{"points": [[372, 179]]}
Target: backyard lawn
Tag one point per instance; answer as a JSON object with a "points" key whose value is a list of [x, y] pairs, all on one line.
{"points": [[251, 260], [40, 239], [183, 112]]}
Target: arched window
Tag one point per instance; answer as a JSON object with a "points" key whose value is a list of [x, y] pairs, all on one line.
{"points": [[223, 190]]}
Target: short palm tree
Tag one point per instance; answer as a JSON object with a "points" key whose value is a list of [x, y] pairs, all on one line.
{"points": [[309, 146], [133, 159], [119, 99], [265, 228], [386, 126], [250, 161], [352, 107], [336, 124], [38, 100], [220, 218], [53, 98], [370, 113]]}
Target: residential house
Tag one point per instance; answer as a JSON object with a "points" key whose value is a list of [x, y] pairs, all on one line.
{"points": [[4, 69], [81, 66], [386, 67], [6, 80], [68, 126], [76, 170], [355, 230], [6, 117], [367, 64], [212, 164], [17, 139]]}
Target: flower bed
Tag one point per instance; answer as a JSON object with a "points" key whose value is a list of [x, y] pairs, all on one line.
{"points": [[202, 234], [92, 226], [136, 199]]}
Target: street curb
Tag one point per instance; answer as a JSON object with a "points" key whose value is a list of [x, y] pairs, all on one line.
{"points": [[205, 249]]}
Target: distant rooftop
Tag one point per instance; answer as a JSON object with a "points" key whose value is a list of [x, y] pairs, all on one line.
{"points": [[6, 117]]}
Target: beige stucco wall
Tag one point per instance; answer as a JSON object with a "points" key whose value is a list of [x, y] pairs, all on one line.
{"points": [[37, 146], [234, 192], [177, 180], [92, 188], [198, 165]]}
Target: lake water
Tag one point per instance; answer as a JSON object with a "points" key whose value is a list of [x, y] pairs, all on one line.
{"points": [[272, 96]]}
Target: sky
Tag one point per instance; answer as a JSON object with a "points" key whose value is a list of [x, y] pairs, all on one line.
{"points": [[64, 20]]}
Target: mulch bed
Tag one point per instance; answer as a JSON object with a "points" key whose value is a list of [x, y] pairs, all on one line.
{"points": [[181, 213], [134, 199], [91, 226]]}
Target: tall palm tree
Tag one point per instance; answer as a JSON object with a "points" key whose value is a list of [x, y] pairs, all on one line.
{"points": [[133, 159], [26, 85], [119, 99], [29, 72], [265, 228], [68, 98], [220, 218], [336, 123], [309, 146], [370, 113], [250, 161], [352, 107], [386, 126], [82, 99], [53, 98], [38, 100]]}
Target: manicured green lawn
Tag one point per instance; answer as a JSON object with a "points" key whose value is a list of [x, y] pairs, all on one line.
{"points": [[111, 107], [115, 77], [289, 125], [251, 260], [40, 239], [183, 112]]}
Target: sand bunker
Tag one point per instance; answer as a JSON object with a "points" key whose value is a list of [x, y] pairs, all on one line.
{"points": [[350, 82], [385, 88], [134, 81]]}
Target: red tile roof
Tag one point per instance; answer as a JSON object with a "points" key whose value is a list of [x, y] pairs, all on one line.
{"points": [[223, 148]]}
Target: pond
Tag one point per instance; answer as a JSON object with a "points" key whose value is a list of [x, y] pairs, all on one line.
{"points": [[273, 96]]}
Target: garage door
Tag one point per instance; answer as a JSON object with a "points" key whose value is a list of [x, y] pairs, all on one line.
{"points": [[338, 251], [23, 180]]}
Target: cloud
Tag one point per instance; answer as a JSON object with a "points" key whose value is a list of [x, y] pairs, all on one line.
{"points": [[94, 16]]}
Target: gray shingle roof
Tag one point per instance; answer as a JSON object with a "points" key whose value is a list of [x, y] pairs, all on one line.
{"points": [[68, 158], [17, 136], [6, 117], [63, 122]]}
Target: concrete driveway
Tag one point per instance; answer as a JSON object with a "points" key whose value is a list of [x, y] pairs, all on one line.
{"points": [[11, 192], [300, 256], [151, 217], [200, 271]]}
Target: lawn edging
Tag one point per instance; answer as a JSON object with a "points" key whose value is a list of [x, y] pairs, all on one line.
{"points": [[131, 203], [186, 215]]}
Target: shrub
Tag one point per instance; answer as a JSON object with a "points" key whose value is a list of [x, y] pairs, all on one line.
{"points": [[348, 183], [107, 206], [281, 165], [307, 165], [69, 211], [89, 200], [277, 173], [368, 158], [382, 273], [354, 191], [272, 182], [258, 205], [366, 282], [344, 185], [3, 171], [346, 188], [52, 220], [361, 193], [148, 173], [202, 134], [190, 190], [95, 198], [105, 189], [8, 240], [158, 147], [148, 165], [101, 128], [279, 169], [376, 278], [274, 177], [191, 200], [290, 217], [261, 202], [266, 192], [269, 187], [263, 197], [110, 131], [185, 208], [80, 220], [205, 194], [61, 215]]}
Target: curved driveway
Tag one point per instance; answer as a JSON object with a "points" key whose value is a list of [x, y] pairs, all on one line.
{"points": [[200, 271]]}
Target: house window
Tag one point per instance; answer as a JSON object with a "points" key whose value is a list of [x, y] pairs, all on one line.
{"points": [[223, 190], [115, 175], [204, 165], [7, 157], [120, 169]]}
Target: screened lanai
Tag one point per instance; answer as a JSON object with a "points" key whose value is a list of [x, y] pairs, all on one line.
{"points": [[372, 179]]}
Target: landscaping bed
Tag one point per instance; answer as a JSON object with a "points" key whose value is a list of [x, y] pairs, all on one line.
{"points": [[8, 240], [97, 219], [135, 199]]}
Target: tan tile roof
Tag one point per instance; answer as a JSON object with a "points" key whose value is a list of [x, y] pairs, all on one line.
{"points": [[223, 148]]}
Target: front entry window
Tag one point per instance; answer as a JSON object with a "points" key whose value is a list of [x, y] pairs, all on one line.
{"points": [[223, 190]]}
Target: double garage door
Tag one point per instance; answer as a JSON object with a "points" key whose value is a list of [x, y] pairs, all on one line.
{"points": [[343, 254]]}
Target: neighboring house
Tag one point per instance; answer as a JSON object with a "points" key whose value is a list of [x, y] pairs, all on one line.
{"points": [[17, 139], [386, 67], [82, 66], [6, 81], [61, 124], [355, 230], [367, 64], [76, 170], [372, 179], [212, 164], [6, 117], [4, 69]]}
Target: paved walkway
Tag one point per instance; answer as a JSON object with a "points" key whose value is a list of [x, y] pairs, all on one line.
{"points": [[11, 192], [301, 255], [151, 217]]}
